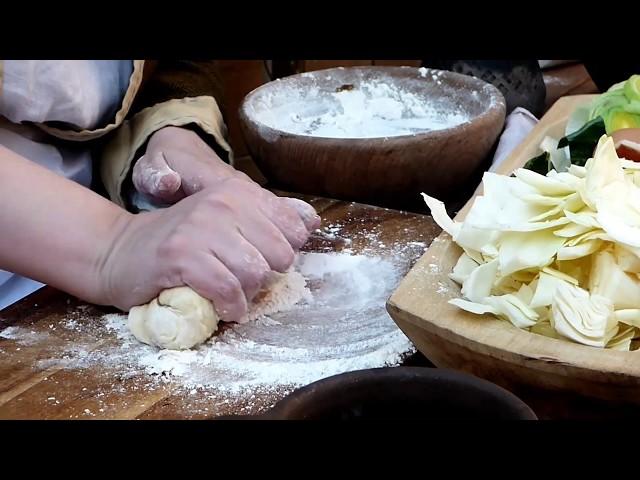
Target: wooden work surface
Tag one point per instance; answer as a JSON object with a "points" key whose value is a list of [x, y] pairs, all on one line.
{"points": [[30, 388]]}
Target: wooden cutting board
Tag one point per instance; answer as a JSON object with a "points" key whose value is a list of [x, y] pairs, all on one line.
{"points": [[34, 387], [558, 379]]}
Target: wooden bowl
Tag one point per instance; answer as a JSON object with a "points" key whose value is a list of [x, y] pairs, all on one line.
{"points": [[557, 378], [384, 170]]}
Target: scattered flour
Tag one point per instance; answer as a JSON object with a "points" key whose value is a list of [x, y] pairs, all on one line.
{"points": [[342, 325], [25, 335], [281, 292], [443, 289]]}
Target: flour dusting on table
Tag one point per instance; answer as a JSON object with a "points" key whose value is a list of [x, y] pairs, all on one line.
{"points": [[340, 325]]}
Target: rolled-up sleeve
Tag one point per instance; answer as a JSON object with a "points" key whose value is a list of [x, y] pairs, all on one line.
{"points": [[122, 148]]}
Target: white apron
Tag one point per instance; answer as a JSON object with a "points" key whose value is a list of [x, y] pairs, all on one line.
{"points": [[84, 93]]}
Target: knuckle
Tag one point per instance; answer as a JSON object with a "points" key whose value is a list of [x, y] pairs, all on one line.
{"points": [[229, 288], [253, 270], [283, 256], [299, 237]]}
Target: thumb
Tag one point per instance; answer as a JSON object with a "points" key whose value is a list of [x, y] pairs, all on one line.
{"points": [[153, 176]]}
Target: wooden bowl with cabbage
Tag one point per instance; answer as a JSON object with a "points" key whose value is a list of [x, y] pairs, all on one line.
{"points": [[549, 306]]}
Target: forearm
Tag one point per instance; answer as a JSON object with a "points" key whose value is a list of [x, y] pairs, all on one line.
{"points": [[52, 229]]}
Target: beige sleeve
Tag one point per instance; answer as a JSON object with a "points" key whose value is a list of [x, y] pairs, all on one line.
{"points": [[117, 155]]}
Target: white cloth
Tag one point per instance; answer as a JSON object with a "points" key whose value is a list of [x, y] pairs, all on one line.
{"points": [[82, 93], [518, 125]]}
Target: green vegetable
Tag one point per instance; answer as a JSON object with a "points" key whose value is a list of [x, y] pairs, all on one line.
{"points": [[615, 109], [581, 145], [583, 142], [619, 107], [619, 119], [633, 107], [540, 164], [632, 88]]}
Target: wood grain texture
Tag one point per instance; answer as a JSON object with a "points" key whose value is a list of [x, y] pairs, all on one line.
{"points": [[559, 379]]}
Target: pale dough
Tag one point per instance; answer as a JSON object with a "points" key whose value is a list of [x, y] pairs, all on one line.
{"points": [[178, 319], [280, 292]]}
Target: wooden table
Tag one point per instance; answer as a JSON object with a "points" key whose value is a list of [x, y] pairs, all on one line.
{"points": [[30, 389]]}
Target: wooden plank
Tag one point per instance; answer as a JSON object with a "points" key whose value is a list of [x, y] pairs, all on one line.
{"points": [[71, 394]]}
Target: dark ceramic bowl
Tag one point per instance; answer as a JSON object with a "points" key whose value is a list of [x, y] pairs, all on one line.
{"points": [[411, 393]]}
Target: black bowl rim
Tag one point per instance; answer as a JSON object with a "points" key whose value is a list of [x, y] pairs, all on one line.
{"points": [[497, 103], [307, 393]]}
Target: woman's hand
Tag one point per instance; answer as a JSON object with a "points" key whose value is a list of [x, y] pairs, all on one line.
{"points": [[221, 241], [178, 163]]}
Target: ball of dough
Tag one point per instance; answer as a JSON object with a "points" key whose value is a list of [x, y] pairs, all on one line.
{"points": [[178, 319]]}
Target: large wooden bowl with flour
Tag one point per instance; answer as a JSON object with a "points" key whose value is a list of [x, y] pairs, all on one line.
{"points": [[372, 134], [557, 378]]}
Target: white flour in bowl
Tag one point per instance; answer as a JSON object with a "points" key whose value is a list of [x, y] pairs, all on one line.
{"points": [[372, 109]]}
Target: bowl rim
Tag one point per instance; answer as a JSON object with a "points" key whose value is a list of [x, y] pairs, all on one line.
{"points": [[496, 104], [335, 383]]}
